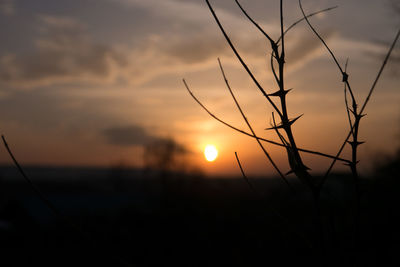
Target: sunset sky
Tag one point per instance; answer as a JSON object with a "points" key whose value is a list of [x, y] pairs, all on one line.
{"points": [[90, 82]]}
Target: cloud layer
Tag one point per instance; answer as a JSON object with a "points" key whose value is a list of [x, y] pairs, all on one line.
{"points": [[64, 52]]}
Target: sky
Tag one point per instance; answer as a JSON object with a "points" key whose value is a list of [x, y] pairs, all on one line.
{"points": [[92, 82]]}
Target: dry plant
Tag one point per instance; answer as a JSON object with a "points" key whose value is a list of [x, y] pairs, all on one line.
{"points": [[283, 128]]}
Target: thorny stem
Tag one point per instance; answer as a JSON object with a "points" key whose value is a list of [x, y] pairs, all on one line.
{"points": [[257, 137], [250, 127], [354, 129], [297, 167], [362, 108]]}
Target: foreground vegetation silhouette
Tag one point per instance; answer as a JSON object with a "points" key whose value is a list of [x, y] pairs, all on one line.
{"points": [[161, 216], [283, 128]]}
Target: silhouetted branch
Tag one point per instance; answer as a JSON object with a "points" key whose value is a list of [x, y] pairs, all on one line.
{"points": [[363, 107], [244, 175], [308, 16], [346, 102], [380, 71], [39, 193], [282, 57], [251, 128]]}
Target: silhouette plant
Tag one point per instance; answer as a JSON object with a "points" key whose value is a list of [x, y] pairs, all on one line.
{"points": [[283, 128]]}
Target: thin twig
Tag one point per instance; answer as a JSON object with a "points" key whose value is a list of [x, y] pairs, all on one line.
{"points": [[308, 16], [380, 71], [252, 188], [345, 100], [39, 193], [282, 37]]}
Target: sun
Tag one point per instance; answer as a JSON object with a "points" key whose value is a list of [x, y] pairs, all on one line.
{"points": [[210, 153]]}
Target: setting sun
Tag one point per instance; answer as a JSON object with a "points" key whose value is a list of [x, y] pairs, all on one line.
{"points": [[210, 153]]}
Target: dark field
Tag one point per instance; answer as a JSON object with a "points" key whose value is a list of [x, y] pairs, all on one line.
{"points": [[123, 217]]}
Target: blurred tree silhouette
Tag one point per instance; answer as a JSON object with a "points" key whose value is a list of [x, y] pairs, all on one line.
{"points": [[165, 155]]}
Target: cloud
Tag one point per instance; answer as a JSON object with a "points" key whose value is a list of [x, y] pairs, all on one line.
{"points": [[130, 135], [302, 49], [64, 52], [134, 135], [7, 7]]}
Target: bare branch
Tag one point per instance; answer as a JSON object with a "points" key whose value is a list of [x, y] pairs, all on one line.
{"points": [[345, 100], [380, 71], [282, 37], [308, 16], [244, 175], [39, 193], [250, 127]]}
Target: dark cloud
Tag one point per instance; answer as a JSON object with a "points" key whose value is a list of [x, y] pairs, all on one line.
{"points": [[128, 136], [63, 52], [135, 135]]}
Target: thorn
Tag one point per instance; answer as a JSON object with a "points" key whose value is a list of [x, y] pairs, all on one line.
{"points": [[359, 116], [355, 143], [274, 127], [282, 125], [345, 77], [280, 93]]}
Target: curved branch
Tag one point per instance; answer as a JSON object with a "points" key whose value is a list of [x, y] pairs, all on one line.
{"points": [[308, 16]]}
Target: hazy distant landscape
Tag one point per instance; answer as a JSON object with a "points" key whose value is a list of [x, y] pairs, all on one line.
{"points": [[149, 220]]}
